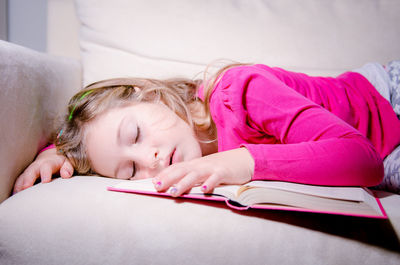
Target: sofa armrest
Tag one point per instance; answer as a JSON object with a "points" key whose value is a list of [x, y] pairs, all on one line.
{"points": [[34, 88]]}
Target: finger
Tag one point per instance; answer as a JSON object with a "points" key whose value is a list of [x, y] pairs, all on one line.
{"points": [[210, 183], [169, 176], [19, 183], [46, 172], [185, 184], [66, 170], [29, 177]]}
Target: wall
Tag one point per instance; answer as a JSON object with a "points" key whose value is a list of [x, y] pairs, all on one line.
{"points": [[3, 19], [27, 22]]}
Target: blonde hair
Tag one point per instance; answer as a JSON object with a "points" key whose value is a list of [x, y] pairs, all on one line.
{"points": [[179, 94]]}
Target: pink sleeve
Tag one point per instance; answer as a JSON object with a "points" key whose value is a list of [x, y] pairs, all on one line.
{"points": [[312, 146], [47, 147]]}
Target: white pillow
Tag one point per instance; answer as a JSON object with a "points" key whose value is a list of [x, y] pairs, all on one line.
{"points": [[172, 38]]}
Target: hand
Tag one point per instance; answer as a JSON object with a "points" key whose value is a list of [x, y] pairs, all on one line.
{"points": [[44, 166], [230, 167]]}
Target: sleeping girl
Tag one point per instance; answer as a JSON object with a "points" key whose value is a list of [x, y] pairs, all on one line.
{"points": [[246, 122]]}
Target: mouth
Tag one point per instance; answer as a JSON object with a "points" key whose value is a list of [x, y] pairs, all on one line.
{"points": [[171, 157]]}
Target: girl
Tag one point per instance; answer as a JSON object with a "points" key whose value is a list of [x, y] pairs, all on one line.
{"points": [[247, 122]]}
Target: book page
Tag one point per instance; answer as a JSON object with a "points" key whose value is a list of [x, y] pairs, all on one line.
{"points": [[259, 198], [281, 195], [340, 193], [230, 191]]}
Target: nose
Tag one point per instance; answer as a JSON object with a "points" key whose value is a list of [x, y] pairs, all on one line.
{"points": [[147, 162], [153, 160]]}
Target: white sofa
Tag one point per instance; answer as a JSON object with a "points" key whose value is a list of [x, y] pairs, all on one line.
{"points": [[77, 221]]}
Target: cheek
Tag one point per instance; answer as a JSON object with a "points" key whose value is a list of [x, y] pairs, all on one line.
{"points": [[189, 142]]}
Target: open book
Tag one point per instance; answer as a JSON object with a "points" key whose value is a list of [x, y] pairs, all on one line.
{"points": [[278, 195]]}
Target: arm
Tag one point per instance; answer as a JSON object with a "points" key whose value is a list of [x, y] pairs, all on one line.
{"points": [[314, 146], [311, 145], [44, 166]]}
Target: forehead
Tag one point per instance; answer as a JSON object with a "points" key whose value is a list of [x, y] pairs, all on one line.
{"points": [[106, 121], [100, 139], [110, 119]]}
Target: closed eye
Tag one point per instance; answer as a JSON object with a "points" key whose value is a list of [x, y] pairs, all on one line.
{"points": [[137, 134], [133, 163], [133, 170]]}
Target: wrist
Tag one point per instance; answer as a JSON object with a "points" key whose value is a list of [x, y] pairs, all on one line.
{"points": [[249, 161]]}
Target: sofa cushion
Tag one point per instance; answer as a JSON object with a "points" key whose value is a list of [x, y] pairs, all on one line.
{"points": [[172, 38], [77, 221], [34, 88]]}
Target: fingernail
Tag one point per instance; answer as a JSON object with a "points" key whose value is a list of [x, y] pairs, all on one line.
{"points": [[67, 172], [158, 184], [203, 188], [173, 191]]}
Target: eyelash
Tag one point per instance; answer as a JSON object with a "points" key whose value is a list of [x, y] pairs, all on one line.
{"points": [[133, 170], [133, 163], [137, 134]]}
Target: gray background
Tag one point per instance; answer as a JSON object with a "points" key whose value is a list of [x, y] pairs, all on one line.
{"points": [[24, 22]]}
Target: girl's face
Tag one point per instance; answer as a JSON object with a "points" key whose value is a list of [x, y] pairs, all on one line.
{"points": [[138, 141]]}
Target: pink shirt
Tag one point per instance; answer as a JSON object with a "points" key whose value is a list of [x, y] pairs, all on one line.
{"points": [[314, 130]]}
